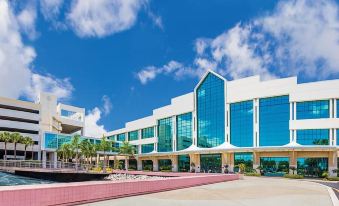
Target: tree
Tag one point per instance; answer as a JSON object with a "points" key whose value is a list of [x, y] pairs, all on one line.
{"points": [[126, 150], [15, 139], [32, 145], [75, 146], [27, 141], [105, 146], [6, 138], [85, 149]]}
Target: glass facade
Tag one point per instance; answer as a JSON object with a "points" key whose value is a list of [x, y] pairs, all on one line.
{"points": [[337, 108], [51, 141], [165, 165], [274, 166], [312, 167], [63, 139], [165, 135], [184, 163], [132, 164], [274, 115], [147, 165], [243, 158], [133, 135], [338, 138], [313, 137], [313, 109], [184, 131], [147, 148], [241, 124], [121, 137], [211, 111], [147, 132], [210, 163]]}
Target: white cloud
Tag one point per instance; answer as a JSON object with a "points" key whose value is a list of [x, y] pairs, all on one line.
{"points": [[173, 67], [99, 18], [107, 107], [50, 9], [16, 58], [296, 38], [92, 126], [62, 88], [26, 20], [157, 20]]}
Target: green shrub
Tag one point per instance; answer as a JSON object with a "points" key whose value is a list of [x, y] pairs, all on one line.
{"points": [[291, 176], [324, 174], [332, 178], [252, 174]]}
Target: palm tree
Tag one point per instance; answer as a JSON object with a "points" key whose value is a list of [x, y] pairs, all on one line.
{"points": [[6, 138], [31, 143], [105, 146], [85, 149], [92, 152], [16, 138], [26, 141], [126, 150], [75, 144]]}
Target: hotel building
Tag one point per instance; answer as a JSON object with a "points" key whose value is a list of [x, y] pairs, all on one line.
{"points": [[40, 120], [267, 125]]}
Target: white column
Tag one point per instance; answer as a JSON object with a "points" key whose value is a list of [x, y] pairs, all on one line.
{"points": [[255, 123], [44, 159], [174, 164], [155, 165], [139, 164], [55, 160], [126, 164], [295, 110], [174, 134], [331, 108], [228, 124], [335, 108], [39, 155], [291, 118], [332, 163], [335, 137]]}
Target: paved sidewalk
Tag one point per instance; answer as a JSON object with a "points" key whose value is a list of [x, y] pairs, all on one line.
{"points": [[251, 191]]}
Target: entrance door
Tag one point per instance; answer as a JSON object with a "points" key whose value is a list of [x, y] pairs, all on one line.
{"points": [[210, 163]]}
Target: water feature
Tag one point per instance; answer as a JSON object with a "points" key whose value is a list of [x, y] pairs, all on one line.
{"points": [[7, 179]]}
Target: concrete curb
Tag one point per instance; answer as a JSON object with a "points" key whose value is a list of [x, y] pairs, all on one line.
{"points": [[334, 198]]}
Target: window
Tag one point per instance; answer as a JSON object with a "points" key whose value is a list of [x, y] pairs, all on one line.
{"points": [[244, 158], [313, 137], [133, 135], [184, 131], [313, 109], [51, 141], [312, 167], [274, 166], [211, 112], [338, 139], [210, 163], [184, 163], [274, 115], [147, 132], [242, 124], [147, 148], [121, 137], [165, 131]]}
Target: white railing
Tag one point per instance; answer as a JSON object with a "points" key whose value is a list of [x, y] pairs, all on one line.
{"points": [[8, 164]]}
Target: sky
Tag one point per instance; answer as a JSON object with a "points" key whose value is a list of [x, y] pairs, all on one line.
{"points": [[120, 59]]}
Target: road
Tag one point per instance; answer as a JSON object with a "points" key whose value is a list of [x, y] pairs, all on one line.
{"points": [[251, 191]]}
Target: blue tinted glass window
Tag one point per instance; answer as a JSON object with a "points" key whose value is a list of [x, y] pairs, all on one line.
{"points": [[241, 116], [147, 148], [133, 135], [147, 132], [312, 167], [165, 132], [183, 163], [113, 137], [184, 131], [338, 138], [243, 158], [51, 141], [274, 115], [313, 137], [121, 137], [337, 108], [313, 109], [63, 139], [211, 111]]}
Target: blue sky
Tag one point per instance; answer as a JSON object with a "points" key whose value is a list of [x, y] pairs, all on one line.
{"points": [[121, 59]]}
